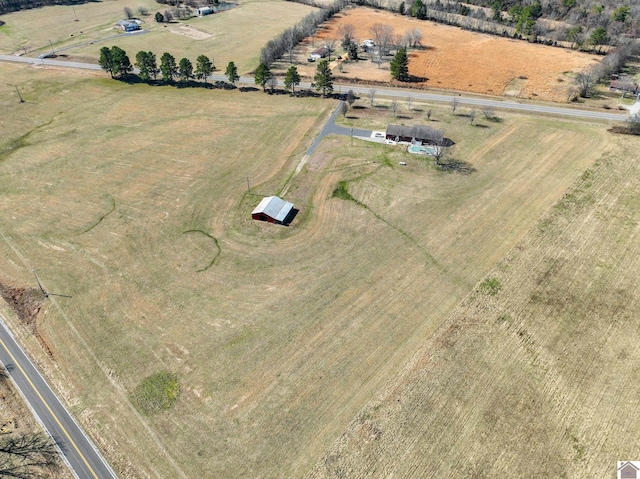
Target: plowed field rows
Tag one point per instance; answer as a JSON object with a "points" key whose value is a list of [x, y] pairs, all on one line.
{"points": [[539, 379]]}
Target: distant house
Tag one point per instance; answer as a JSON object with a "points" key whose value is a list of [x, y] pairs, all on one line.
{"points": [[367, 44], [628, 470], [273, 210], [202, 11], [416, 135], [319, 53], [128, 25], [624, 86]]}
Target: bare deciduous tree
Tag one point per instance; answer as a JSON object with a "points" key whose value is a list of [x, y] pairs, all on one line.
{"points": [[488, 112], [272, 82], [587, 78], [347, 34], [413, 37], [372, 96], [472, 116], [21, 453], [439, 152], [429, 114], [382, 36], [454, 105], [331, 46], [128, 13], [409, 102], [394, 107]]}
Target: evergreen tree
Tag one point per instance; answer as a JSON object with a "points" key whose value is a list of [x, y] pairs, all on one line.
{"points": [[146, 63], [400, 65], [168, 67], [204, 67], [352, 50], [292, 78], [323, 80], [419, 10], [152, 65], [232, 73], [185, 69], [121, 65], [105, 61], [262, 76]]}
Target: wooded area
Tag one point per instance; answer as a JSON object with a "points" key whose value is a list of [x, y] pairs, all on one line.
{"points": [[7, 6]]}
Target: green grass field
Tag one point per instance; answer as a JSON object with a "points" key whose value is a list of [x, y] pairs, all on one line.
{"points": [[236, 35], [133, 200]]}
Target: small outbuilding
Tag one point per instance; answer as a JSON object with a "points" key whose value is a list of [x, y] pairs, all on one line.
{"points": [[272, 209], [319, 53], [624, 86], [202, 11], [418, 134]]}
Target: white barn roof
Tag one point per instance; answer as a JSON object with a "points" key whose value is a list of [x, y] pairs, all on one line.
{"points": [[275, 207]]}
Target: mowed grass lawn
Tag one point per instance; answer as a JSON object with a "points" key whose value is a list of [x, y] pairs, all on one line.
{"points": [[236, 35], [123, 196]]}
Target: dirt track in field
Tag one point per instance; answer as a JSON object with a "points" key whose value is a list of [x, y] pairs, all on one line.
{"points": [[461, 60]]}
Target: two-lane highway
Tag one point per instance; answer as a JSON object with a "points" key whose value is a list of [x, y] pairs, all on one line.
{"points": [[79, 451], [419, 95]]}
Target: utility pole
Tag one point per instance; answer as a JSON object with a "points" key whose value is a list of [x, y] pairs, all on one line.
{"points": [[248, 187], [74, 13], [351, 136], [21, 99], [52, 52]]}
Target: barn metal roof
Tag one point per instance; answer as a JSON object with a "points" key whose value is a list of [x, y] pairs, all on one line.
{"points": [[275, 207]]}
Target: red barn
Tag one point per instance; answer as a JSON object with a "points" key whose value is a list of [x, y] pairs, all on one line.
{"points": [[272, 209]]}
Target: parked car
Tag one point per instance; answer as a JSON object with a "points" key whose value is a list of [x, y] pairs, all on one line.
{"points": [[311, 60]]}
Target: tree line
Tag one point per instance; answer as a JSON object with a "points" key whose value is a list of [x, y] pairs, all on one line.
{"points": [[291, 37], [7, 6], [116, 62]]}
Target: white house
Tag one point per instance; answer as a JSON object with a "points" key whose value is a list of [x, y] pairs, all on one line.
{"points": [[202, 11]]}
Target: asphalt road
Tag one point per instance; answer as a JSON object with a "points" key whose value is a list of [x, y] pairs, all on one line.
{"points": [[79, 451], [522, 106]]}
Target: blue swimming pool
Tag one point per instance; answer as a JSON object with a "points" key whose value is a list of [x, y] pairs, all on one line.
{"points": [[421, 150]]}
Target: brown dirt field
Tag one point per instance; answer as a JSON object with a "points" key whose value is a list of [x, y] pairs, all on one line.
{"points": [[456, 59]]}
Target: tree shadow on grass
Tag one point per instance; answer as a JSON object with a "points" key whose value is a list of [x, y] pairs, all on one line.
{"points": [[457, 166]]}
